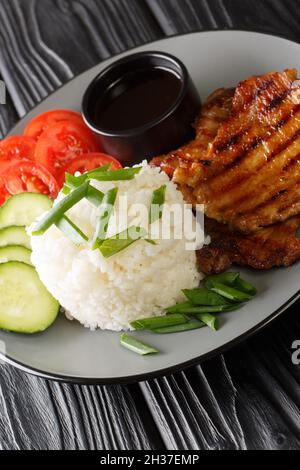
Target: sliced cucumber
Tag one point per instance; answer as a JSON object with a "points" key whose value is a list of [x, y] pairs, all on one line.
{"points": [[25, 304], [15, 253], [23, 209], [14, 236]]}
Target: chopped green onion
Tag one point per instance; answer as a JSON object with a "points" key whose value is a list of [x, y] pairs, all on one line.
{"points": [[158, 322], [59, 210], [121, 241], [232, 307], [101, 168], [136, 345], [105, 213], [187, 308], [75, 181], [178, 307], [209, 320], [158, 200], [94, 196], [71, 230], [66, 190], [223, 278], [245, 286], [114, 175], [203, 297], [230, 292], [192, 325]]}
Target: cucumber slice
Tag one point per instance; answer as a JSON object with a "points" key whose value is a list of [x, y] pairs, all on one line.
{"points": [[15, 253], [14, 236], [25, 304], [23, 209]]}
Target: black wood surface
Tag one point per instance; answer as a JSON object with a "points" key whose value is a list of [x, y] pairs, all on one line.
{"points": [[249, 397]]}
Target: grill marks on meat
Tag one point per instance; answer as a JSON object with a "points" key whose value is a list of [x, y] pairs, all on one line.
{"points": [[188, 165], [254, 177], [274, 246], [244, 165]]}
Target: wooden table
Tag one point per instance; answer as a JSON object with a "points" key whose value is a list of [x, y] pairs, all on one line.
{"points": [[247, 398]]}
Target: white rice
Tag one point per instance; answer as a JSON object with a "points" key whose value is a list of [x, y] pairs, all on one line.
{"points": [[139, 282]]}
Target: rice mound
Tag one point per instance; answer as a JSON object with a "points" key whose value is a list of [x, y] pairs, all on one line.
{"points": [[139, 282]]}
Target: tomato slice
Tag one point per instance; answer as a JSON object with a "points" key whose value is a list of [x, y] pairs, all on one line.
{"points": [[4, 194], [91, 161], [17, 147], [61, 143], [39, 124], [25, 176]]}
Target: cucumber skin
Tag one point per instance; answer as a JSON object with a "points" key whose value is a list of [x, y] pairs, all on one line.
{"points": [[8, 253], [8, 231], [8, 215], [55, 306]]}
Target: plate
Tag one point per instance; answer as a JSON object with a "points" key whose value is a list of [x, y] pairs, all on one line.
{"points": [[69, 352]]}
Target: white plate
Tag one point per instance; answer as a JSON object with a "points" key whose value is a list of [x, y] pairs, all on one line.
{"points": [[69, 352]]}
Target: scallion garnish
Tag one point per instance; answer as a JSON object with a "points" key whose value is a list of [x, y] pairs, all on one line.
{"points": [[94, 196], [244, 286], [192, 325], [230, 292], [209, 320], [188, 308], [120, 241], [224, 278], [105, 213], [76, 181], [159, 322], [59, 210], [136, 345], [114, 175], [203, 296], [196, 312], [101, 168], [71, 230], [66, 190], [158, 200]]}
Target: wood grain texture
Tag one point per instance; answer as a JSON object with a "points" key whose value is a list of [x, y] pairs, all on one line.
{"points": [[248, 398], [183, 16], [45, 43], [8, 115]]}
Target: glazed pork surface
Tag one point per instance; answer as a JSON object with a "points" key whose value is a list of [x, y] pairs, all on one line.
{"points": [[244, 166], [273, 246], [188, 165]]}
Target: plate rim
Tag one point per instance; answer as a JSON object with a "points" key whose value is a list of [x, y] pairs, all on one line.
{"points": [[125, 380], [166, 38], [167, 371]]}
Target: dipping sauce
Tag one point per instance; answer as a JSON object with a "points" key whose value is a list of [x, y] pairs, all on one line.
{"points": [[138, 98], [142, 105]]}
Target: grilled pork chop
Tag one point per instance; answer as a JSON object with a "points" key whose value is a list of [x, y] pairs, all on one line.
{"points": [[254, 177], [273, 246], [187, 165], [244, 165]]}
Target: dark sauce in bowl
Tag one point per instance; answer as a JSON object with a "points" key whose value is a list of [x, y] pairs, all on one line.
{"points": [[141, 105], [137, 98]]}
